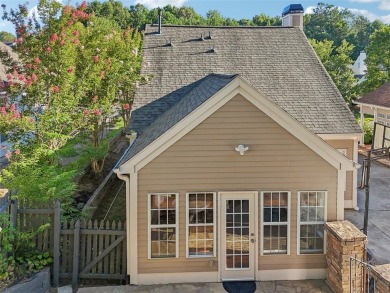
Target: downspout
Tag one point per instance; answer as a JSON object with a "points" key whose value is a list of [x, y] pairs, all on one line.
{"points": [[126, 178]]}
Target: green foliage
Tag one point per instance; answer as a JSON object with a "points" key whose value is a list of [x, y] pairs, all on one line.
{"points": [[378, 60], [327, 22], [6, 37], [368, 129], [18, 253], [337, 62]]}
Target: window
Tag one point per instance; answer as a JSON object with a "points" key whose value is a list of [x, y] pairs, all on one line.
{"points": [[163, 225], [275, 208], [200, 224], [312, 217], [381, 122], [388, 117], [380, 115]]}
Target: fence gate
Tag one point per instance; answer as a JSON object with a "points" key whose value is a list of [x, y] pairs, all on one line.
{"points": [[93, 250], [360, 277]]}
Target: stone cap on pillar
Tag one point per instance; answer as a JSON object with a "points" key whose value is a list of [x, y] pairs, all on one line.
{"points": [[345, 231]]}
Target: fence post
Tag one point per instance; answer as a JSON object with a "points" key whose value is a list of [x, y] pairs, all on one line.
{"points": [[14, 212], [76, 245], [56, 243]]}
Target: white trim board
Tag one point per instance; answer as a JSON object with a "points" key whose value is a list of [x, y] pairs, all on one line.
{"points": [[237, 86], [291, 274], [170, 278]]}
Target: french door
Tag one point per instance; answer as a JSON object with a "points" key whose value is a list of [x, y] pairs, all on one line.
{"points": [[238, 235]]}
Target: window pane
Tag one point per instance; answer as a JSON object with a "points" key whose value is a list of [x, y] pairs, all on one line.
{"points": [[283, 215], [209, 216], [267, 199], [267, 215], [283, 199], [171, 201]]}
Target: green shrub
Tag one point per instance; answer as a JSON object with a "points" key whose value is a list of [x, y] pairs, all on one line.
{"points": [[18, 254]]}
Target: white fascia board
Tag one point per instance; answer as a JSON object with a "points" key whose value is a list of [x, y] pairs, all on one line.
{"points": [[237, 86], [373, 106], [340, 136]]}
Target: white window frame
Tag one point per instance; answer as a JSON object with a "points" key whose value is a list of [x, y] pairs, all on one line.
{"points": [[176, 225], [312, 222], [388, 116], [214, 225], [275, 223], [381, 115]]}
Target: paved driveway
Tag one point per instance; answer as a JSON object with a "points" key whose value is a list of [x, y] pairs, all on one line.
{"points": [[378, 212]]}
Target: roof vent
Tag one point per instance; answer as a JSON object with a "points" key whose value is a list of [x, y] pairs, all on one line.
{"points": [[201, 37], [213, 50], [292, 15], [169, 44], [210, 36]]}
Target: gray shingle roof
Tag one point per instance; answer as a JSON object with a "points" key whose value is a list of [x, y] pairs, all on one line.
{"points": [[196, 94], [378, 97], [278, 61], [3, 68]]}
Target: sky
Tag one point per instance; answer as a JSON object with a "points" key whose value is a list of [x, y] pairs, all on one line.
{"points": [[238, 9]]}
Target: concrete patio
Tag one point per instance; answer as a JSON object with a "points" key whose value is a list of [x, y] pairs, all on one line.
{"points": [[304, 286], [379, 211]]}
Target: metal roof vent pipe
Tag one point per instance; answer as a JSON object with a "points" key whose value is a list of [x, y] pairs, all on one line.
{"points": [[292, 15], [159, 21]]}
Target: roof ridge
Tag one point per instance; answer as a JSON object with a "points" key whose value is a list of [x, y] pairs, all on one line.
{"points": [[217, 27]]}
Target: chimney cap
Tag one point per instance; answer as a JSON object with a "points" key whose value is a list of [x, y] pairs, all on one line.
{"points": [[293, 8]]}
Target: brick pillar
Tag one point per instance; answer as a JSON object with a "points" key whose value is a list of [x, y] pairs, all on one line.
{"points": [[381, 275], [343, 241]]}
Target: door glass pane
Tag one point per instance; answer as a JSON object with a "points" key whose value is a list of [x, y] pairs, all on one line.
{"points": [[237, 234]]}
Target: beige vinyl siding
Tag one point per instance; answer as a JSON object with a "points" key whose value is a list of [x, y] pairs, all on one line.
{"points": [[348, 145], [205, 160]]}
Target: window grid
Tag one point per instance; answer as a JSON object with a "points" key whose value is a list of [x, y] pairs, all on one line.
{"points": [[275, 211], [312, 217], [237, 234], [163, 225], [200, 224]]}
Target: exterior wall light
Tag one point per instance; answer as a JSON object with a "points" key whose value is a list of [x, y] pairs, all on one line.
{"points": [[241, 149]]}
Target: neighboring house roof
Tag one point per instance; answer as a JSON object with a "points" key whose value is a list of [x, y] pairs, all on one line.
{"points": [[379, 97], [3, 69], [277, 61], [206, 97]]}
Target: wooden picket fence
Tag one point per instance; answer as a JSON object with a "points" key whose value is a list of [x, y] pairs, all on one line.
{"points": [[81, 249], [93, 251]]}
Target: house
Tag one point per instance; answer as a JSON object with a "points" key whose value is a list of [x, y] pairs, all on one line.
{"points": [[376, 103], [359, 67], [242, 149]]}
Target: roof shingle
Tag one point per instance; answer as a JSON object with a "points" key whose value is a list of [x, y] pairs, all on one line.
{"points": [[277, 61], [379, 97]]}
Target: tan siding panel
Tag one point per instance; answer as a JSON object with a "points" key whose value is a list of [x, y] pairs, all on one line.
{"points": [[348, 145], [205, 160]]}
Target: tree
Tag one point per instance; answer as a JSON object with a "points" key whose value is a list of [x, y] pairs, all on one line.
{"points": [[214, 18], [378, 60], [327, 22], [6, 37], [265, 20], [337, 62], [72, 69], [112, 10]]}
